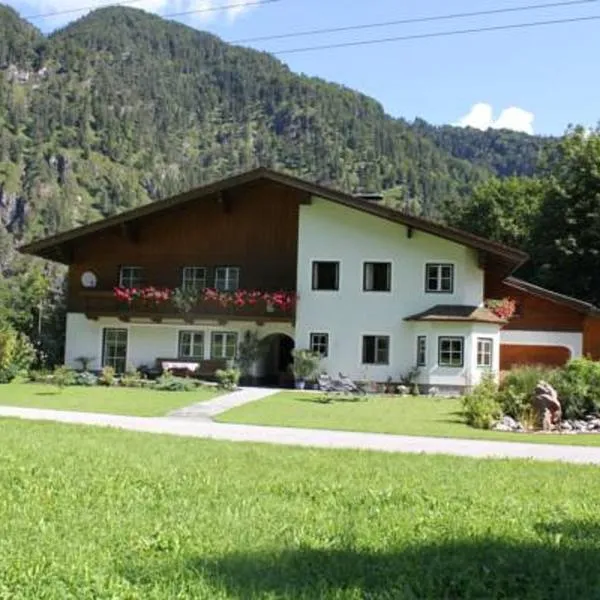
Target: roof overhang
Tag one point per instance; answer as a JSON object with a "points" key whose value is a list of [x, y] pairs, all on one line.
{"points": [[58, 247], [450, 313]]}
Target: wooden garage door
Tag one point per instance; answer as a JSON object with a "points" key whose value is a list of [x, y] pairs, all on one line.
{"points": [[513, 354]]}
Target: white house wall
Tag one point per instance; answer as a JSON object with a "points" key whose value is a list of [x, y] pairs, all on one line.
{"points": [[571, 340], [148, 341], [328, 231]]}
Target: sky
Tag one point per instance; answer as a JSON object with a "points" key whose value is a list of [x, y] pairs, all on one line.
{"points": [[538, 80]]}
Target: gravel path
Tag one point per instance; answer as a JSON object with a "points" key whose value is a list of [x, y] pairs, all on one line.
{"points": [[316, 438], [206, 410]]}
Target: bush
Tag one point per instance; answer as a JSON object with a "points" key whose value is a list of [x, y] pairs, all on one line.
{"points": [[40, 376], [518, 386], [228, 379], [86, 378], [578, 387], [16, 353], [169, 383], [107, 376], [481, 408], [131, 379], [62, 376]]}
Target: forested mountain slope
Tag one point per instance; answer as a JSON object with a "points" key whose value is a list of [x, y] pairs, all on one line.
{"points": [[123, 107]]}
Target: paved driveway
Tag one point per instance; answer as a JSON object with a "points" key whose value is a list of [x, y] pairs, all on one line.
{"points": [[316, 438]]}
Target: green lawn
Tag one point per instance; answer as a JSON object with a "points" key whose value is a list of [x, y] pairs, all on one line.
{"points": [[437, 417], [90, 513], [114, 400]]}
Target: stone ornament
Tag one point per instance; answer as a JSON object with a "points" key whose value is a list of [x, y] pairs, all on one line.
{"points": [[547, 406]]}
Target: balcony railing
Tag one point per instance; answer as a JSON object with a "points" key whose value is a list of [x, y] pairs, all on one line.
{"points": [[163, 303]]}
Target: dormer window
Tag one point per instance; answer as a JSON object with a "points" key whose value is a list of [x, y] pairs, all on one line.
{"points": [[131, 277], [439, 278]]}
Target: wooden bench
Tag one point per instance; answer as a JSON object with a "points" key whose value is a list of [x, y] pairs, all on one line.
{"points": [[185, 367]]}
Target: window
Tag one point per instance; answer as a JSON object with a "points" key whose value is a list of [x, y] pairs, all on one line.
{"points": [[227, 279], [319, 342], [130, 277], [326, 275], [376, 350], [224, 345], [451, 351], [194, 278], [421, 351], [114, 349], [439, 278], [191, 344], [377, 277], [484, 352]]}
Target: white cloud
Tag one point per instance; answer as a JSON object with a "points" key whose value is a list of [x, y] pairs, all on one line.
{"points": [[481, 116], [201, 11]]}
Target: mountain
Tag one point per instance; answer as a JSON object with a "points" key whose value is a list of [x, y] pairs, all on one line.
{"points": [[122, 107]]}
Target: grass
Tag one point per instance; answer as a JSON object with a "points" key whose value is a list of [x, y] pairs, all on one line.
{"points": [[92, 513], [114, 400], [421, 416]]}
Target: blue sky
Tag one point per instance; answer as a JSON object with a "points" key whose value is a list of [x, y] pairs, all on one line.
{"points": [[538, 79]]}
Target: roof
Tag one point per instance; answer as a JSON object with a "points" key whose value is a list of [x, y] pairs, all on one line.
{"points": [[51, 247], [457, 313], [540, 292]]}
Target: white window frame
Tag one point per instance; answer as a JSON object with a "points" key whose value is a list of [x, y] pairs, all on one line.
{"points": [[452, 339], [128, 277], [227, 279], [485, 352], [226, 335], [439, 278], [193, 278], [194, 335], [421, 351], [315, 278], [368, 275], [378, 338], [110, 359], [319, 342]]}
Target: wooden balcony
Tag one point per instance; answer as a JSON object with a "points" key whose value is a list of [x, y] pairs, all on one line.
{"points": [[103, 303]]}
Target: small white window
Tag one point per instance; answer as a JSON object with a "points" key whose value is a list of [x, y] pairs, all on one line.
{"points": [[485, 348], [376, 350], [191, 344], [325, 275], [224, 344], [377, 277], [421, 351], [439, 278], [131, 277], [451, 352], [319, 342], [227, 279], [193, 278]]}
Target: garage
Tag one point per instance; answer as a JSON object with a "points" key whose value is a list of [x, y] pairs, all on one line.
{"points": [[521, 354]]}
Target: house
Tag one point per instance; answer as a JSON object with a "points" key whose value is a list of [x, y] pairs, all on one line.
{"points": [[375, 291]]}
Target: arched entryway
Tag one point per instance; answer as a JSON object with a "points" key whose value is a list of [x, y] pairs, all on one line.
{"points": [[276, 358]]}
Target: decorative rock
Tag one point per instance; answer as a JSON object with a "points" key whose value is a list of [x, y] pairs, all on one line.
{"points": [[547, 407], [508, 424], [403, 390], [566, 426]]}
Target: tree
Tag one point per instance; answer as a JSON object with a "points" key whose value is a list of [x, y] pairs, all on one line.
{"points": [[503, 210], [567, 235]]}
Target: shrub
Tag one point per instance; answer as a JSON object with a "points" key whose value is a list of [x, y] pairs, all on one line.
{"points": [[62, 376], [578, 387], [131, 379], [16, 353], [518, 386], [86, 378], [169, 383], [305, 364], [107, 376], [228, 379], [40, 376], [481, 408]]}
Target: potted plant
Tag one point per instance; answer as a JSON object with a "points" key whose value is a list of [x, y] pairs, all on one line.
{"points": [[305, 366]]}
